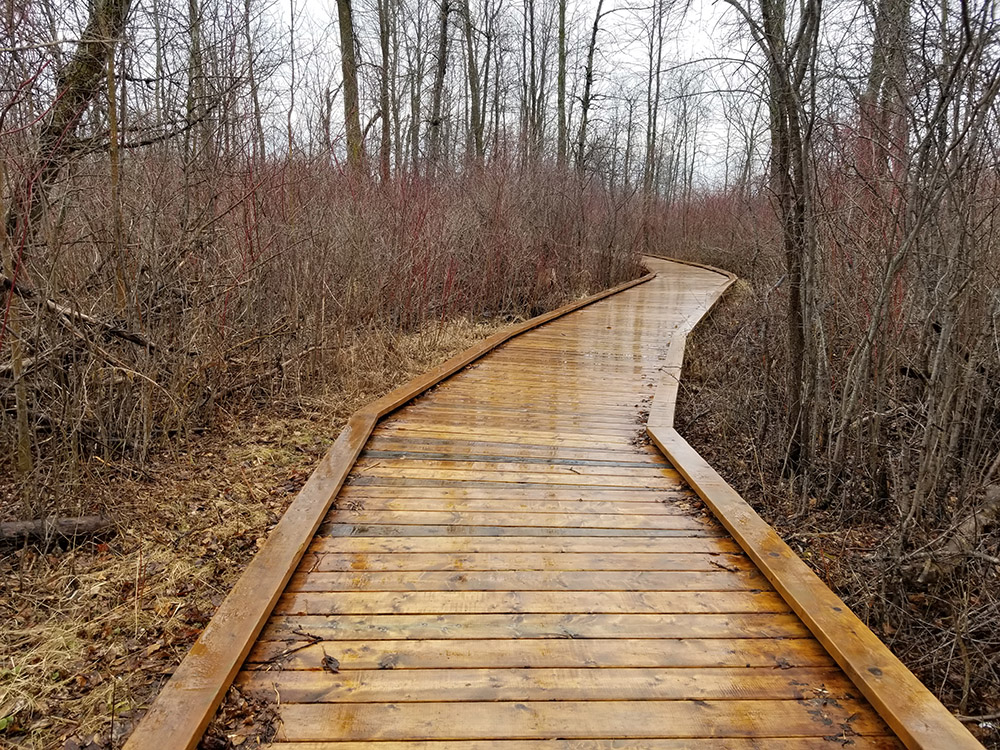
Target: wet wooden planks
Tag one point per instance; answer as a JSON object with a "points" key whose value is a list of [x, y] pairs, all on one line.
{"points": [[510, 565]]}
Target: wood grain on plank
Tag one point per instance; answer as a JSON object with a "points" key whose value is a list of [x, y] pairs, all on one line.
{"points": [[564, 520], [533, 654], [662, 545], [504, 505], [526, 561], [432, 685], [533, 580], [516, 602], [582, 719], [294, 628], [689, 743]]}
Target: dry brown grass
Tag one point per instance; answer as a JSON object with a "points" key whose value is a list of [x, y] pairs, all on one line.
{"points": [[92, 632]]}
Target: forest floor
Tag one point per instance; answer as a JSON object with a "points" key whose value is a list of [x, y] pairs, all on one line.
{"points": [[92, 631]]}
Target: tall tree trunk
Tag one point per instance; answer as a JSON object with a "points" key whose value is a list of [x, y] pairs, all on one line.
{"points": [[588, 85], [385, 152], [562, 139], [349, 67], [394, 92], [655, 59], [881, 104], [531, 142], [792, 81], [416, 90], [476, 120], [195, 98], [258, 118], [291, 87], [437, 94]]}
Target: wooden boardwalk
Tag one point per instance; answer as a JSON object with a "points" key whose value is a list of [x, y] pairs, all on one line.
{"points": [[512, 563]]}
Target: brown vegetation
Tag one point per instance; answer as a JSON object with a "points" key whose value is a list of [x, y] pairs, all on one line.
{"points": [[928, 588], [264, 297], [93, 629]]}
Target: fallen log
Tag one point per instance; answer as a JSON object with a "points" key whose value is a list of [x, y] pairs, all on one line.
{"points": [[47, 528]]}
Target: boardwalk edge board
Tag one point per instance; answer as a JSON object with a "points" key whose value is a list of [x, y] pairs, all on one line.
{"points": [[919, 719], [182, 710]]}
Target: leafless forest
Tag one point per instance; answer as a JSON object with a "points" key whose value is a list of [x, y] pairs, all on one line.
{"points": [[207, 204]]}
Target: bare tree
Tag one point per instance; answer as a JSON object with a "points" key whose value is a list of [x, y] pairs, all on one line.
{"points": [[791, 77], [437, 93], [349, 67], [586, 99], [476, 117], [385, 150], [562, 145], [654, 58]]}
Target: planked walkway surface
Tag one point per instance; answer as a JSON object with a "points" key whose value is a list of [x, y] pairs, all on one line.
{"points": [[511, 564], [510, 560]]}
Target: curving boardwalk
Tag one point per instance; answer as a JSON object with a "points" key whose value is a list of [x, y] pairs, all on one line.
{"points": [[512, 564]]}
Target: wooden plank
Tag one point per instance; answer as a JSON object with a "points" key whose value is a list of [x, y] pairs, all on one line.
{"points": [[536, 410], [578, 357], [613, 461], [291, 628], [581, 386], [377, 466], [605, 345], [528, 580], [688, 743], [337, 529], [518, 602], [513, 492], [494, 391], [513, 518], [563, 653], [527, 423], [510, 447], [630, 403], [444, 401], [500, 487], [537, 437], [661, 545], [575, 378], [584, 484], [576, 719], [504, 506], [509, 561], [487, 685], [444, 477]]}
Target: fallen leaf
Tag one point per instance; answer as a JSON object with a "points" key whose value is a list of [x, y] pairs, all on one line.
{"points": [[330, 664]]}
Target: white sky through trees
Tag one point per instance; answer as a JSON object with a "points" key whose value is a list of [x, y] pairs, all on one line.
{"points": [[698, 61]]}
